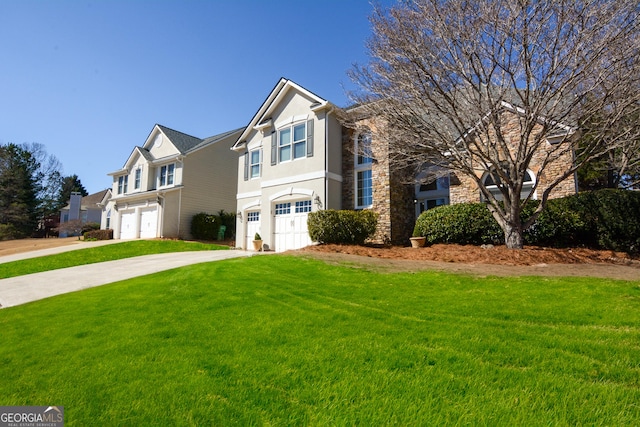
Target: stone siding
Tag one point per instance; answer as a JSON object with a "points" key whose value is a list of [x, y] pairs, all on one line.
{"points": [[392, 199], [466, 190]]}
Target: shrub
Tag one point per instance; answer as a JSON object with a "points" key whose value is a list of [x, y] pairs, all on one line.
{"points": [[604, 219], [556, 226], [464, 223], [611, 218], [204, 226], [98, 235], [90, 226], [342, 226]]}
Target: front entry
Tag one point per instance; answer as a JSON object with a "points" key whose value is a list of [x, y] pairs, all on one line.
{"points": [[253, 227]]}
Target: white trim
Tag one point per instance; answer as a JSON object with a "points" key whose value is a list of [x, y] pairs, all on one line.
{"points": [[248, 194], [253, 204], [290, 192], [293, 179], [334, 176], [291, 120]]}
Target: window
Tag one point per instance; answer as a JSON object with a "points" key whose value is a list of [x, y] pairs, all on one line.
{"points": [[527, 186], [283, 208], [433, 190], [253, 216], [123, 182], [303, 206], [108, 224], [364, 189], [136, 184], [166, 174], [292, 139], [256, 160], [363, 161]]}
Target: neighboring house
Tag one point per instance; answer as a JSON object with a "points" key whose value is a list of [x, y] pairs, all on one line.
{"points": [[86, 209], [297, 158], [168, 180]]}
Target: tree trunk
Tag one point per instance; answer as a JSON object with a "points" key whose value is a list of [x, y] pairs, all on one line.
{"points": [[513, 237]]}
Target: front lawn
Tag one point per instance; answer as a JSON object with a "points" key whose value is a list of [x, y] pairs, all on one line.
{"points": [[283, 340], [100, 254]]}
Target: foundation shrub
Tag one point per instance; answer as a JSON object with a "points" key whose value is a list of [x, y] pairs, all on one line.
{"points": [[205, 226], [611, 219], [98, 235], [342, 226], [603, 219], [463, 223]]}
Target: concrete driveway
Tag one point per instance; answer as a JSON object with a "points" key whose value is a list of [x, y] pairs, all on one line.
{"points": [[32, 287]]}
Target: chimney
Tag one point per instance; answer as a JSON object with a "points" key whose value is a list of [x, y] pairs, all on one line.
{"points": [[74, 206]]}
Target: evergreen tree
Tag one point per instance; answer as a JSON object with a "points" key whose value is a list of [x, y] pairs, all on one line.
{"points": [[19, 187]]}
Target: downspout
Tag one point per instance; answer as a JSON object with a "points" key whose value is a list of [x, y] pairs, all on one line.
{"points": [[181, 160], [161, 211], [179, 209]]}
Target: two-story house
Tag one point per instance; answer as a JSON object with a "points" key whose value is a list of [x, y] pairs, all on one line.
{"points": [[297, 157], [167, 180]]}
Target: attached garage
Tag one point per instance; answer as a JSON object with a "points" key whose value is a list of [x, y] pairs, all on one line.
{"points": [[291, 225], [149, 223], [128, 224]]}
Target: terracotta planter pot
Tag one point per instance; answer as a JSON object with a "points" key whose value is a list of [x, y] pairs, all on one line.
{"points": [[417, 242], [257, 245]]}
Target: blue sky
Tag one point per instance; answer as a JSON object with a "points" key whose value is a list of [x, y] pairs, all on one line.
{"points": [[89, 79]]}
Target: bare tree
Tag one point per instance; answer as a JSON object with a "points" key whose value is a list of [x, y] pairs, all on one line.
{"points": [[485, 87]]}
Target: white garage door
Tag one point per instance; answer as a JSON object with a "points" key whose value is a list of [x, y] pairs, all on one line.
{"points": [[253, 227], [128, 225], [291, 225], [149, 223]]}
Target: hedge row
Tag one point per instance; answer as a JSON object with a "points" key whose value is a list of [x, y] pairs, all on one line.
{"points": [[342, 226], [205, 226], [98, 235], [604, 219]]}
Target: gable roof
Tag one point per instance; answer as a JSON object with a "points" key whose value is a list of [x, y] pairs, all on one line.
{"points": [[181, 141], [261, 117], [213, 139]]}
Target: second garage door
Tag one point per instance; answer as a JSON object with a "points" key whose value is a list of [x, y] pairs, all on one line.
{"points": [[291, 225], [149, 223]]}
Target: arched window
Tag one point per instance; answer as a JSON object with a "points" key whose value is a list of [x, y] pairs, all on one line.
{"points": [[491, 185]]}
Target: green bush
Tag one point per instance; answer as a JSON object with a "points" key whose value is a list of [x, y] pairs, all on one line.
{"points": [[611, 219], [556, 226], [98, 235], [604, 219], [205, 226], [464, 223], [342, 226]]}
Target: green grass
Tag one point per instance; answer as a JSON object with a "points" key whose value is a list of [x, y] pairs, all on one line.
{"points": [[281, 340], [100, 254]]}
